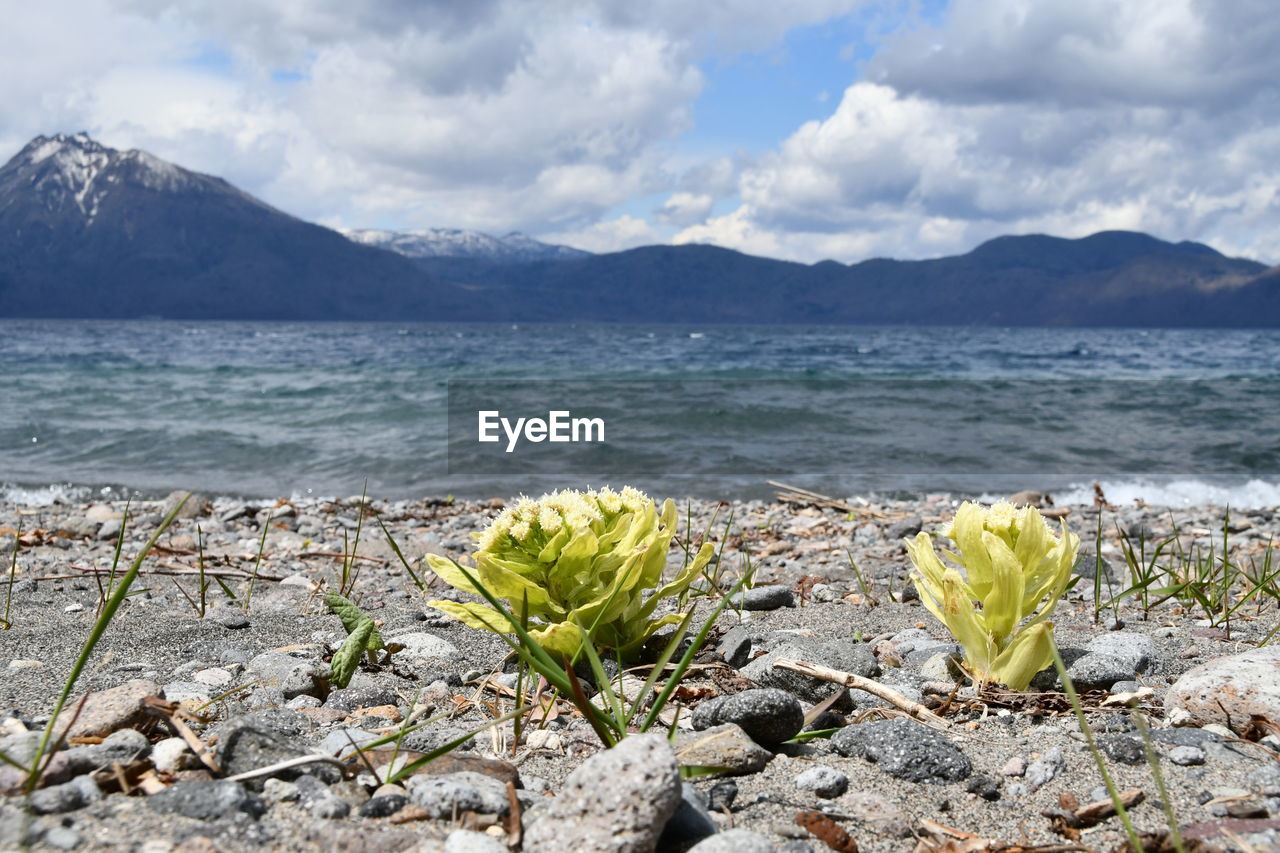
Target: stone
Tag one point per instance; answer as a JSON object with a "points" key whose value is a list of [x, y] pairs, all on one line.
{"points": [[734, 841], [691, 820], [1265, 780], [1016, 766], [279, 791], [726, 747], [105, 711], [1185, 737], [67, 797], [768, 715], [292, 676], [987, 787], [1098, 671], [215, 800], [383, 805], [343, 742], [351, 698], [734, 647], [420, 644], [1138, 651], [769, 597], [1230, 690], [942, 666], [191, 692], [826, 782], [1186, 756], [877, 811], [194, 507], [844, 655], [233, 621], [904, 749], [444, 795], [1043, 770], [1127, 749], [214, 676], [617, 801], [62, 837], [721, 796], [245, 744], [904, 529], [467, 841]]}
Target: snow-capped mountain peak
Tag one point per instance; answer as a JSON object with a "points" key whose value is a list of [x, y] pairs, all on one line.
{"points": [[459, 243], [67, 166], [72, 174]]}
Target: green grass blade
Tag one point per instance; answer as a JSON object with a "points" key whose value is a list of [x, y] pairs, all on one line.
{"points": [[257, 563], [13, 571], [428, 757], [1087, 731], [395, 548], [668, 652], [683, 666], [99, 628]]}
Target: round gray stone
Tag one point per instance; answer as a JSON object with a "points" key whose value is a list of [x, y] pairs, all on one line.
{"points": [[768, 715], [826, 782], [769, 597], [1186, 756], [905, 750], [447, 794], [206, 800]]}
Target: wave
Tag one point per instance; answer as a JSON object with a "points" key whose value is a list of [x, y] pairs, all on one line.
{"points": [[1250, 494]]}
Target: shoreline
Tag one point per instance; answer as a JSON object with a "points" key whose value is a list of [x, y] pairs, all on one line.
{"points": [[158, 636]]}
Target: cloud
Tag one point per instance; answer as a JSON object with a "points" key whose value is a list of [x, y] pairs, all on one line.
{"points": [[432, 112], [684, 209], [611, 235], [1015, 118], [1191, 53], [1063, 116]]}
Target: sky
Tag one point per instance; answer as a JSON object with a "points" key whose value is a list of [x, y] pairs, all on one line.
{"points": [[807, 129]]}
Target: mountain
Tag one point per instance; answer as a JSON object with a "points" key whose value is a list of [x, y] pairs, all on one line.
{"points": [[1113, 278], [88, 231], [456, 243]]}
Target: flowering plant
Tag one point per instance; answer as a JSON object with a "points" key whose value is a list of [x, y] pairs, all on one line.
{"points": [[575, 565], [1014, 568]]}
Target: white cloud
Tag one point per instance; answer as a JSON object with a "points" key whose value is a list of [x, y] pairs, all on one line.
{"points": [[1048, 117], [683, 209], [610, 235], [1061, 116], [431, 112]]}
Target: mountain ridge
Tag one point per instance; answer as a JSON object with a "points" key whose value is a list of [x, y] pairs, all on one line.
{"points": [[512, 247], [89, 231]]}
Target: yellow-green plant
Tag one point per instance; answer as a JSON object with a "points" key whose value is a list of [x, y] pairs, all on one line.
{"points": [[574, 564], [1014, 568]]}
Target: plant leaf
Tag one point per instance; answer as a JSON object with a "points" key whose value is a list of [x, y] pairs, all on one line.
{"points": [[347, 658], [353, 618]]}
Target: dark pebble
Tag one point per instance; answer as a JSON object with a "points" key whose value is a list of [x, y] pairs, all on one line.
{"points": [[383, 806], [768, 715], [905, 750], [1126, 749], [206, 800], [984, 786], [769, 597], [721, 796]]}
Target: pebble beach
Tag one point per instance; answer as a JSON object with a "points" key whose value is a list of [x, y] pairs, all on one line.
{"points": [[200, 705]]}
